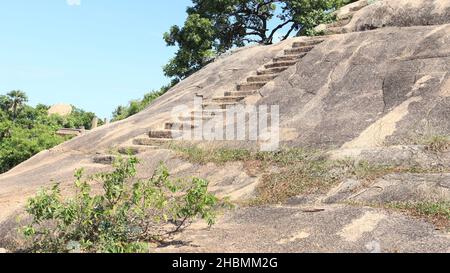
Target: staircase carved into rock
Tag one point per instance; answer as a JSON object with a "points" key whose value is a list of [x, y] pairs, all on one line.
{"points": [[217, 105], [251, 86], [339, 26]]}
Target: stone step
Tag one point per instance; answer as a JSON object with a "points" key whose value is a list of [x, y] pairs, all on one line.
{"points": [[209, 113], [262, 78], [135, 149], [339, 23], [202, 115], [240, 93], [298, 50], [359, 7], [280, 64], [272, 70], [213, 105], [145, 141], [307, 43], [336, 30], [289, 57], [104, 159], [249, 86], [178, 126], [346, 16], [168, 134], [198, 117], [228, 99]]}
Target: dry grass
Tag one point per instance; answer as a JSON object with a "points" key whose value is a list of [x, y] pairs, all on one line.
{"points": [[438, 144], [290, 172], [220, 156], [306, 177], [436, 213]]}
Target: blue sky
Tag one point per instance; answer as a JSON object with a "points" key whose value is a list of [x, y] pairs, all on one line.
{"points": [[95, 55]]}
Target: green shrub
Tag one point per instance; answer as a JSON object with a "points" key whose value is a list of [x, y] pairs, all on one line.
{"points": [[135, 106], [126, 217], [26, 130]]}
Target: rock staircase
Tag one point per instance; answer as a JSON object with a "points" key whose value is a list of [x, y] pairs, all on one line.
{"points": [[339, 27], [217, 105], [252, 85]]}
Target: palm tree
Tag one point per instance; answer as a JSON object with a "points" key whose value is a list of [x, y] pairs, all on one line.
{"points": [[5, 103], [17, 99]]}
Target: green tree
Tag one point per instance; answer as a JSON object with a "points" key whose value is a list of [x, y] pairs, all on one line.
{"points": [[18, 143], [17, 98], [26, 131], [213, 27], [78, 118], [5, 103], [119, 112], [195, 40], [135, 106], [127, 215]]}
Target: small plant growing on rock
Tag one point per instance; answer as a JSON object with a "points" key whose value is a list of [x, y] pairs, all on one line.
{"points": [[126, 217], [438, 144]]}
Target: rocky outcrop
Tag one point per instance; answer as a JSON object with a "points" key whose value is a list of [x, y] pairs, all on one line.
{"points": [[408, 155], [401, 13], [333, 229], [393, 188], [369, 92], [366, 89], [60, 109]]}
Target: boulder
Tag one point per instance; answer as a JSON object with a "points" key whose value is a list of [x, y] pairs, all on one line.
{"points": [[60, 110]]}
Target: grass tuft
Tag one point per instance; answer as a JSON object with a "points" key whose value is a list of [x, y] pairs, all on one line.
{"points": [[438, 144], [290, 172], [437, 213]]}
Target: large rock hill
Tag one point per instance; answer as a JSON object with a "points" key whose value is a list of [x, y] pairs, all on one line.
{"points": [[372, 89]]}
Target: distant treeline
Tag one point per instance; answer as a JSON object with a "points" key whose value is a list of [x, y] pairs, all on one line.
{"points": [[27, 130], [135, 106]]}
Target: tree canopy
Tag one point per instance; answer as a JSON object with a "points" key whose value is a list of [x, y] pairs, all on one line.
{"points": [[13, 101], [135, 106], [213, 27], [26, 130]]}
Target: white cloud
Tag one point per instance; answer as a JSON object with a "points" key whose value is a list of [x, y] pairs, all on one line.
{"points": [[73, 2]]}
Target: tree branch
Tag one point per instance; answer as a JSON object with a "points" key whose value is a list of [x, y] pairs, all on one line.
{"points": [[289, 32], [270, 38]]}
